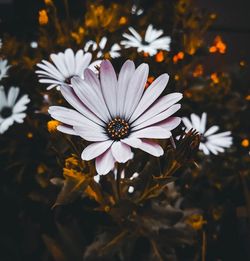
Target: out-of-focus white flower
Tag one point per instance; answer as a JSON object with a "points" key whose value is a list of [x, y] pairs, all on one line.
{"points": [[1, 43], [3, 68], [65, 66], [11, 109], [210, 142], [93, 46], [151, 43], [135, 10], [117, 114], [34, 44]]}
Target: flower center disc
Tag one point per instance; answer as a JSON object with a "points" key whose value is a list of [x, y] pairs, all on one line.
{"points": [[6, 112], [118, 129]]}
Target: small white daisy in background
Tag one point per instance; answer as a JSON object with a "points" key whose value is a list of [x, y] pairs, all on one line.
{"points": [[11, 109], [3, 68], [93, 46], [151, 43], [210, 142], [64, 67], [33, 44], [115, 114], [135, 10]]}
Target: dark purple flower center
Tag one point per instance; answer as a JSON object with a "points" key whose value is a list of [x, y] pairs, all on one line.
{"points": [[6, 112], [203, 139], [118, 129]]}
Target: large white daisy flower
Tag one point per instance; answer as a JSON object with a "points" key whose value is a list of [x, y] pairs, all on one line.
{"points": [[150, 44], [64, 67], [3, 68], [210, 142], [11, 110], [93, 46], [117, 114]]}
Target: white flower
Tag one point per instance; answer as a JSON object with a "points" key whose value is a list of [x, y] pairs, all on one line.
{"points": [[33, 44], [150, 44], [117, 114], [210, 142], [93, 46], [135, 10], [11, 110], [64, 67], [3, 68]]}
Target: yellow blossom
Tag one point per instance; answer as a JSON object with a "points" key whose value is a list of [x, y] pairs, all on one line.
{"points": [[198, 71], [52, 125], [123, 20], [48, 2], [196, 221], [43, 17], [245, 143], [214, 77], [218, 46], [159, 57]]}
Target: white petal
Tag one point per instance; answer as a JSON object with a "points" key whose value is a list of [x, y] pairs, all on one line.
{"points": [[132, 142], [109, 85], [71, 117], [58, 60], [3, 99], [4, 126], [187, 123], [69, 58], [91, 133], [150, 95], [105, 162], [90, 98], [69, 94], [21, 104], [196, 122], [203, 122], [12, 95], [211, 130], [125, 75], [220, 135], [204, 148], [151, 133], [135, 89], [82, 63], [170, 123], [66, 129], [158, 118], [121, 152], [137, 36], [103, 42], [95, 149], [19, 117], [158, 107], [151, 148]]}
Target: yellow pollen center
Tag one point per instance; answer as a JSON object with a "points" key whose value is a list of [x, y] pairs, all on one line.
{"points": [[118, 129]]}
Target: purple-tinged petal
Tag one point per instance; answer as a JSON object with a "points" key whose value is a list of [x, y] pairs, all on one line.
{"points": [[121, 152], [109, 85], [135, 89], [105, 162], [151, 148], [153, 132], [125, 75], [158, 118], [150, 95], [95, 149]]}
